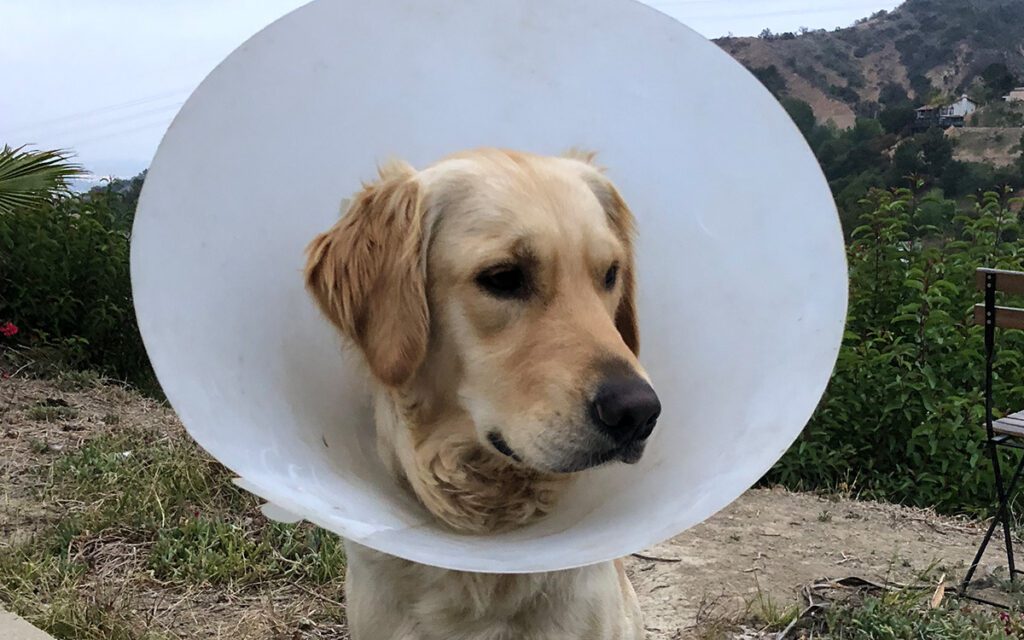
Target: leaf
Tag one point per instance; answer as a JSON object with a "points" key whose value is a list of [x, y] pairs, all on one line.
{"points": [[940, 593], [28, 179]]}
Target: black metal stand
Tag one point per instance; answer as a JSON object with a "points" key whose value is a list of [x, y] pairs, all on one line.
{"points": [[1003, 492]]}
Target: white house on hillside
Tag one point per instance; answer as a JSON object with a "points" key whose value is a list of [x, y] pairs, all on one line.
{"points": [[959, 109], [950, 115], [1017, 95]]}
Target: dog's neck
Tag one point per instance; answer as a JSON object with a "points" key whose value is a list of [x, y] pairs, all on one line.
{"points": [[473, 489], [463, 483]]}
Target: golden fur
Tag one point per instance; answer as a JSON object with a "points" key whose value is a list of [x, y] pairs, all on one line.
{"points": [[481, 405]]}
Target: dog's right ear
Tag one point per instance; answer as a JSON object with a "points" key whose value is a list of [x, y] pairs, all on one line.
{"points": [[368, 275]]}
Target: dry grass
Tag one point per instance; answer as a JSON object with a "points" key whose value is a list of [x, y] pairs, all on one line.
{"points": [[998, 146], [116, 527]]}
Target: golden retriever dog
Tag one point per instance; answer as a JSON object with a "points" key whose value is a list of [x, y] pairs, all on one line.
{"points": [[492, 296]]}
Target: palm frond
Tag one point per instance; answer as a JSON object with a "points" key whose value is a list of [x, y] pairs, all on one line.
{"points": [[30, 178]]}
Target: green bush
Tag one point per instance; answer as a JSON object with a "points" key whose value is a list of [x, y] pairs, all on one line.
{"points": [[64, 282], [901, 418]]}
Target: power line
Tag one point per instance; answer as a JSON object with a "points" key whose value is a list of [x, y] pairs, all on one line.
{"points": [[149, 125], [86, 115], [92, 128], [78, 129]]}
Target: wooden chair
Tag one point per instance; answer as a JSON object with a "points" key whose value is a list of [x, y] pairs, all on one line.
{"points": [[1007, 431]]}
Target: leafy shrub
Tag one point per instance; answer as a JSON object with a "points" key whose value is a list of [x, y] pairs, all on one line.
{"points": [[771, 79], [901, 419], [846, 94], [64, 281]]}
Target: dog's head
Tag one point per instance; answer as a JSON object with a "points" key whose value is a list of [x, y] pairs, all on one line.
{"points": [[500, 285]]}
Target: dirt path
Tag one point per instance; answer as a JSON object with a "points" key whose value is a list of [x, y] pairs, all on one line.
{"points": [[770, 542], [779, 541]]}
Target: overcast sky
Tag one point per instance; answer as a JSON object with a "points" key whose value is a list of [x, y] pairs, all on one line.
{"points": [[105, 77]]}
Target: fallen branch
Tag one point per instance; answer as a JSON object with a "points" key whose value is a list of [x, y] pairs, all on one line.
{"points": [[655, 559]]}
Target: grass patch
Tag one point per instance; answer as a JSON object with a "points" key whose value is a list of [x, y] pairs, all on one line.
{"points": [[870, 613], [908, 615], [212, 551], [49, 592], [145, 481], [771, 615], [51, 411], [141, 512], [37, 445], [73, 380]]}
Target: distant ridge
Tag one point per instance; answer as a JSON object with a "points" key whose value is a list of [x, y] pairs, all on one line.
{"points": [[924, 50]]}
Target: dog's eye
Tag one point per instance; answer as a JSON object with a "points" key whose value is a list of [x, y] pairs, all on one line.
{"points": [[611, 277], [504, 282]]}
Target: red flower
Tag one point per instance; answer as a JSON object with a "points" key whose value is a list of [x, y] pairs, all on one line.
{"points": [[8, 329]]}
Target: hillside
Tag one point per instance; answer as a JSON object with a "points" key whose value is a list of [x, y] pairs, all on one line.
{"points": [[998, 146], [923, 50]]}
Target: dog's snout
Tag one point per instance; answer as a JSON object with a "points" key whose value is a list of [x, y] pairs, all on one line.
{"points": [[626, 408]]}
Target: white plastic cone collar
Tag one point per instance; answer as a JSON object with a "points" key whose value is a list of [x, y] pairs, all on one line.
{"points": [[741, 265]]}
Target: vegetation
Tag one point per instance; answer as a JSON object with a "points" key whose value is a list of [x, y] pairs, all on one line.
{"points": [[929, 611], [908, 615], [30, 179], [139, 507], [901, 418], [64, 280], [885, 152]]}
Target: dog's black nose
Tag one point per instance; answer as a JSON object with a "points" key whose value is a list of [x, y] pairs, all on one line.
{"points": [[626, 408]]}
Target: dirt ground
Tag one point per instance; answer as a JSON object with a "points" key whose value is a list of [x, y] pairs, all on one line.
{"points": [[770, 541], [777, 542]]}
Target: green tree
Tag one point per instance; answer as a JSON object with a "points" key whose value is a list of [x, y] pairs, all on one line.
{"points": [[937, 150], [771, 79], [928, 154], [1020, 159], [998, 80], [893, 94], [802, 114], [29, 179], [897, 119]]}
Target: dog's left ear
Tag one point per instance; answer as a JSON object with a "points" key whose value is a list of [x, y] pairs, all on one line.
{"points": [[623, 222], [368, 275]]}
